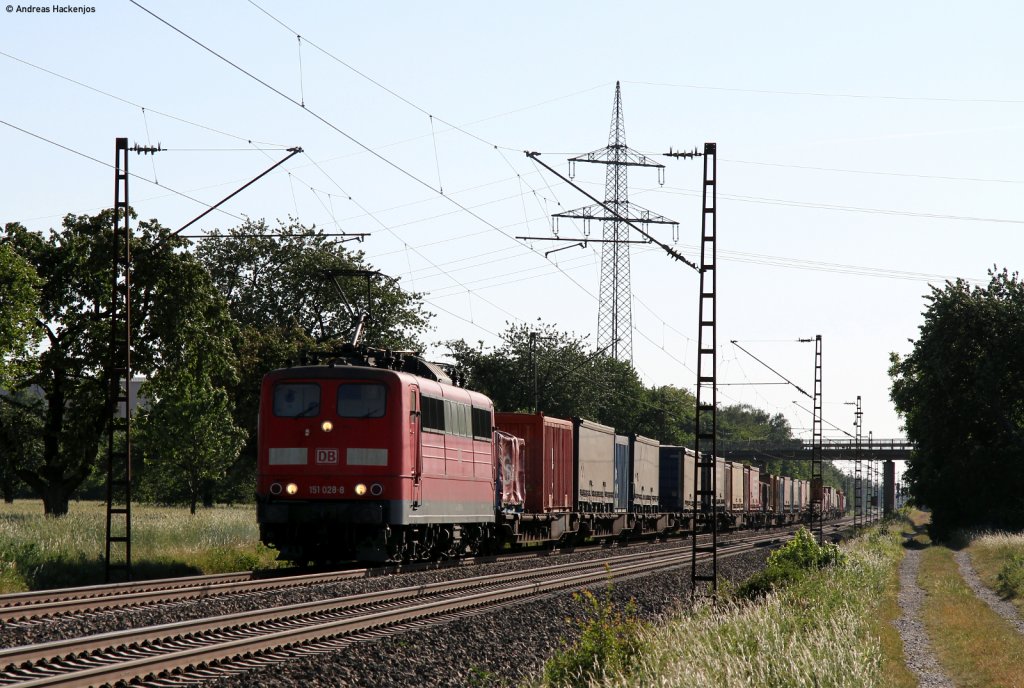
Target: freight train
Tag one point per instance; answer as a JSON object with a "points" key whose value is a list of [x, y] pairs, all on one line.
{"points": [[376, 456]]}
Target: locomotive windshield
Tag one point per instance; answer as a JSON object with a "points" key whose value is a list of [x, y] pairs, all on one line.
{"points": [[297, 400], [362, 400]]}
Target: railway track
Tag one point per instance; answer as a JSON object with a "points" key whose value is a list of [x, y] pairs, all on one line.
{"points": [[39, 606], [193, 651]]}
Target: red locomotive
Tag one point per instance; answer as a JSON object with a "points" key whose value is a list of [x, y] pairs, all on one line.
{"points": [[374, 456]]}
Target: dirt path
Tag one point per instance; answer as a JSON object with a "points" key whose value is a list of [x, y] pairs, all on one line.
{"points": [[917, 649]]}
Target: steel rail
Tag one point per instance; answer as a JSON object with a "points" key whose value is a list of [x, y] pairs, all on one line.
{"points": [[143, 640], [43, 604]]}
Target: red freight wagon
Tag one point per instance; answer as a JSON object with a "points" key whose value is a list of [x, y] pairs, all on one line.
{"points": [[549, 473]]}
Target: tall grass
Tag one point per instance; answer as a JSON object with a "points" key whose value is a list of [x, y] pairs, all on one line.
{"points": [[37, 552], [819, 629], [999, 560]]}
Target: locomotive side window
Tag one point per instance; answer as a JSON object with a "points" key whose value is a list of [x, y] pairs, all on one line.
{"points": [[297, 400], [482, 423], [432, 410], [454, 418], [362, 400], [451, 420]]}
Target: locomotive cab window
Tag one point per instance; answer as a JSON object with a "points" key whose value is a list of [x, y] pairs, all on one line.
{"points": [[362, 400], [297, 400]]}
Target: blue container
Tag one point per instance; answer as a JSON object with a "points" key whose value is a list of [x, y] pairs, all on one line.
{"points": [[670, 478]]}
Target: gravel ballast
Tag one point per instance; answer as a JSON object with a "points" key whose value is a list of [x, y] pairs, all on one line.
{"points": [[495, 648], [498, 648]]}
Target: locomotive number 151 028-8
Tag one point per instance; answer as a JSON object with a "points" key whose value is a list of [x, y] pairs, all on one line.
{"points": [[326, 489]]}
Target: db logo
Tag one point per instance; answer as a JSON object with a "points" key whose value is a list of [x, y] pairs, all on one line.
{"points": [[327, 456]]}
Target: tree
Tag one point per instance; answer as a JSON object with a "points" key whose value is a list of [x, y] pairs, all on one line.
{"points": [[20, 446], [187, 434], [554, 370], [284, 305], [275, 282], [668, 415], [19, 300], [961, 394], [170, 291], [744, 423]]}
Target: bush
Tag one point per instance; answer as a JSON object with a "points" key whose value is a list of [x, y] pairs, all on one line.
{"points": [[1011, 576], [608, 644], [788, 564]]}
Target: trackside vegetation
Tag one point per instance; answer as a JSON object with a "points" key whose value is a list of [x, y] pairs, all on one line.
{"points": [[39, 552], [814, 616], [999, 561]]}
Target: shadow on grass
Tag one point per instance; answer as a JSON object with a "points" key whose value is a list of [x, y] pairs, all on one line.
{"points": [[63, 573], [918, 539]]}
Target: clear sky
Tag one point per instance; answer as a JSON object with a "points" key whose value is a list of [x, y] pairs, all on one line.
{"points": [[866, 150]]}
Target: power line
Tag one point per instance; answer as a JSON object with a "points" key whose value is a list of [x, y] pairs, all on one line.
{"points": [[825, 94], [798, 387], [842, 208], [877, 172], [419, 253], [337, 129], [413, 105], [133, 104], [108, 165], [326, 122]]}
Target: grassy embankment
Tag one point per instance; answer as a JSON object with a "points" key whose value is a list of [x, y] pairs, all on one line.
{"points": [[821, 627], [38, 552], [974, 645], [999, 560]]}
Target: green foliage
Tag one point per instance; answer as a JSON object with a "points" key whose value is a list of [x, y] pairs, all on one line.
{"points": [[21, 446], [743, 423], [283, 305], [279, 282], [791, 562], [823, 630], [173, 303], [554, 370], [19, 332], [188, 437], [961, 394], [1011, 576], [804, 552], [609, 642]]}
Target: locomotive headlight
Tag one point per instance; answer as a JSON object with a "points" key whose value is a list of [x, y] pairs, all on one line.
{"points": [[360, 489], [327, 426], [291, 488], [376, 489]]}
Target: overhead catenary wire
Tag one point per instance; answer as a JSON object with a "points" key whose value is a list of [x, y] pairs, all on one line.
{"points": [[134, 104], [826, 94], [796, 386], [329, 124], [840, 208], [987, 180], [108, 165]]}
